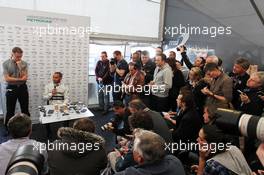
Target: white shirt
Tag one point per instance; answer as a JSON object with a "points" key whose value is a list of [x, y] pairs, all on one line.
{"points": [[62, 90]]}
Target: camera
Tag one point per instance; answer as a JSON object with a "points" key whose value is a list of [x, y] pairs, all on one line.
{"points": [[26, 160], [107, 126], [237, 123], [112, 61], [178, 48]]}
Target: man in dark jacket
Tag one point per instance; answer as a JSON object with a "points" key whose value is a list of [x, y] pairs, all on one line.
{"points": [[148, 66], [104, 81], [187, 122], [78, 150], [118, 71], [159, 125], [149, 153], [240, 78], [120, 124], [250, 99]]}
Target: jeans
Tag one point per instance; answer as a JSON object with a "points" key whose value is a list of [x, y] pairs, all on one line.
{"points": [[14, 93], [103, 96]]}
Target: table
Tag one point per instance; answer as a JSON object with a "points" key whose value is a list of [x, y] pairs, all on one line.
{"points": [[58, 116]]}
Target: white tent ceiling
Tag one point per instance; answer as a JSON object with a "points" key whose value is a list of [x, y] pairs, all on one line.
{"points": [[239, 14]]}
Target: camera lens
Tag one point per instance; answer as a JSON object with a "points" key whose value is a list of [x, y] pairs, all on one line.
{"points": [[26, 160]]}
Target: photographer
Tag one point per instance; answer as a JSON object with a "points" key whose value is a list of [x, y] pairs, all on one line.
{"points": [[198, 62], [250, 98], [119, 124], [240, 77], [118, 70]]}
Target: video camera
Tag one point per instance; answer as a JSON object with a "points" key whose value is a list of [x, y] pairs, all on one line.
{"points": [[108, 125]]}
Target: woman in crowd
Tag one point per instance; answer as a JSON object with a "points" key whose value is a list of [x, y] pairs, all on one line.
{"points": [[177, 83], [197, 83]]}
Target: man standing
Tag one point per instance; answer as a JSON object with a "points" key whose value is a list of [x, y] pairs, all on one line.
{"points": [[133, 80], [162, 82], [148, 66], [221, 89], [56, 92], [118, 69], [16, 75], [240, 78], [103, 79]]}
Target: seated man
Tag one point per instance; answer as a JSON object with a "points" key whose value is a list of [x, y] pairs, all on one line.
{"points": [[187, 122], [78, 150], [150, 156], [159, 124], [56, 92], [20, 128], [119, 124]]}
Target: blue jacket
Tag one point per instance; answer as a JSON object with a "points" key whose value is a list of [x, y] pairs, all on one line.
{"points": [[170, 165]]}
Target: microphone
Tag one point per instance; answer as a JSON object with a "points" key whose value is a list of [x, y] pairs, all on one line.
{"points": [[55, 85]]}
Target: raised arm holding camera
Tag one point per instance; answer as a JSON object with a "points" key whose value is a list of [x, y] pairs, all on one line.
{"points": [[198, 62]]}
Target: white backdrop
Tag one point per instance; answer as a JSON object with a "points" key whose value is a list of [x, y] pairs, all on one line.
{"points": [[138, 18], [59, 50]]}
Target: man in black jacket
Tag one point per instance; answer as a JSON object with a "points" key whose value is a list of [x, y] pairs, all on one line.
{"points": [[250, 99], [240, 78], [119, 124], [78, 150], [187, 122], [104, 81], [148, 66]]}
